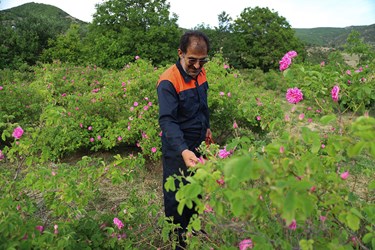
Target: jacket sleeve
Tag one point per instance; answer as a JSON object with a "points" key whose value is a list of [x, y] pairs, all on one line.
{"points": [[168, 108], [207, 111]]}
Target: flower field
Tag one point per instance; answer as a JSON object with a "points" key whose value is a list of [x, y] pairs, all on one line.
{"points": [[292, 166]]}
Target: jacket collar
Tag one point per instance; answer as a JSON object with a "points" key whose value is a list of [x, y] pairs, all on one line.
{"points": [[186, 77]]}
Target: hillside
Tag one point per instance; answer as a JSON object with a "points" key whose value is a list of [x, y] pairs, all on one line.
{"points": [[26, 30], [334, 37], [10, 16]]}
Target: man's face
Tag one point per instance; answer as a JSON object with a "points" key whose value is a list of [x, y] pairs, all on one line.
{"points": [[195, 57]]}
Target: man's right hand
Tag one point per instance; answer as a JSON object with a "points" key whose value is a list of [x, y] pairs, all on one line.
{"points": [[190, 158]]}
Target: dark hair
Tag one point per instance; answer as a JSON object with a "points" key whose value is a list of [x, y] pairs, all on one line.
{"points": [[185, 39]]}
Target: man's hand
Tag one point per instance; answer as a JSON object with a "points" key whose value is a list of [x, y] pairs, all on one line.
{"points": [[189, 158], [209, 137]]}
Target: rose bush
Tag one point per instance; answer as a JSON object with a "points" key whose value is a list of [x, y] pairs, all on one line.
{"points": [[301, 168]]}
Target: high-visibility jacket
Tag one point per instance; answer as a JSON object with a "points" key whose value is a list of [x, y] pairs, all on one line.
{"points": [[183, 108]]}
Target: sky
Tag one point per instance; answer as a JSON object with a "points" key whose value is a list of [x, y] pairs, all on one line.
{"points": [[298, 13]]}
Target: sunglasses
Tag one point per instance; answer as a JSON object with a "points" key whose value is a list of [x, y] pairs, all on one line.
{"points": [[193, 61]]}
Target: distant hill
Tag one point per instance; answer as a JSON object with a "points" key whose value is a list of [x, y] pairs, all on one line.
{"points": [[10, 16], [334, 37], [26, 30]]}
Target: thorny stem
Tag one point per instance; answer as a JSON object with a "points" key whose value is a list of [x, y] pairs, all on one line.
{"points": [[19, 168], [350, 231], [316, 100]]}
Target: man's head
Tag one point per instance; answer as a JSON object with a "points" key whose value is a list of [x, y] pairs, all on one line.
{"points": [[193, 52]]}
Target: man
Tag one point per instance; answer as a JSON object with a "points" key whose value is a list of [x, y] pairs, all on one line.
{"points": [[183, 116]]}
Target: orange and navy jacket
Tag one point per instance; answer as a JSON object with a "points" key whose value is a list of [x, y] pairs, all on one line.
{"points": [[183, 108]]}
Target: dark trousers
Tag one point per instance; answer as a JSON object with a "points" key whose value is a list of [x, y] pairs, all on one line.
{"points": [[173, 163]]}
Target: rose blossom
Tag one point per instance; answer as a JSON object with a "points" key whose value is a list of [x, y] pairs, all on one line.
{"points": [[345, 175], [294, 95], [246, 244], [293, 225], [287, 60], [118, 223], [335, 93], [40, 228], [223, 153], [17, 132]]}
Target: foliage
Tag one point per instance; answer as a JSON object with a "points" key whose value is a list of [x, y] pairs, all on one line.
{"points": [[261, 37], [293, 183], [67, 47], [306, 169], [316, 81], [122, 30], [68, 108], [356, 45], [25, 32]]}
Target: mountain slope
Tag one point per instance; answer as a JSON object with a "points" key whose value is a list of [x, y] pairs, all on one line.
{"points": [[37, 9], [334, 37]]}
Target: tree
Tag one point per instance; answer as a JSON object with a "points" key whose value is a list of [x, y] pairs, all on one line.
{"points": [[261, 37], [67, 47], [122, 29], [356, 45], [24, 39]]}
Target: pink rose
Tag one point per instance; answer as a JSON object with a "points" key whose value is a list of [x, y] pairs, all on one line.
{"points": [[17, 132], [345, 175], [40, 228], [118, 223], [291, 54], [246, 244], [335, 93], [294, 95], [223, 153], [293, 225]]}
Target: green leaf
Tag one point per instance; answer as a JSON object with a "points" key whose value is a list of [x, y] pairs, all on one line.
{"points": [[356, 212], [5, 135], [192, 190], [180, 206], [170, 184], [238, 170], [372, 149], [327, 119], [196, 224], [356, 149], [368, 237], [306, 244], [237, 207], [200, 174], [289, 206], [316, 145], [353, 221]]}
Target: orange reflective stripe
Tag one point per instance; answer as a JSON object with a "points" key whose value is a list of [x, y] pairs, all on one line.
{"points": [[174, 76]]}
